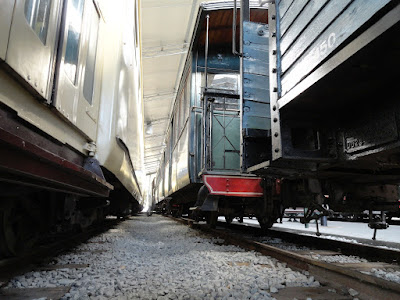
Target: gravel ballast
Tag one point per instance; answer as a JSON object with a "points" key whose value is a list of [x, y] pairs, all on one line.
{"points": [[156, 258]]}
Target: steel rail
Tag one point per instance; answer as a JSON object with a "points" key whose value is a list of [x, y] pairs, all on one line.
{"points": [[368, 286]]}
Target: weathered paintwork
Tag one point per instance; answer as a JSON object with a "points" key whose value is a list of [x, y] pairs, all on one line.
{"points": [[325, 29], [27, 54], [236, 186], [256, 120], [6, 12], [109, 125]]}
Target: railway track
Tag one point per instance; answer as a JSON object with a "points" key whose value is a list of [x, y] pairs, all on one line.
{"points": [[351, 279], [374, 251]]}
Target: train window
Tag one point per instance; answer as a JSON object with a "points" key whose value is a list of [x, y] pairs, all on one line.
{"points": [[74, 23], [197, 88], [167, 148], [88, 83], [182, 109], [224, 103], [37, 14], [171, 139], [177, 117], [229, 81], [186, 99]]}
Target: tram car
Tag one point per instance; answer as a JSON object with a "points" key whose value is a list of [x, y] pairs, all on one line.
{"points": [[333, 102], [70, 116], [200, 172]]}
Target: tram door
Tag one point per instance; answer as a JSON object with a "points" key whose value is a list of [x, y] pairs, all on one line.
{"points": [[76, 96], [223, 132]]}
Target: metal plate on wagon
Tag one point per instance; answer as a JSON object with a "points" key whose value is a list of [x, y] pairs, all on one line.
{"points": [[380, 130]]}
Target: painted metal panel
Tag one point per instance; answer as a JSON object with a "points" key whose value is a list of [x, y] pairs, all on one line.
{"points": [[6, 13], [238, 186], [355, 15], [37, 166], [119, 116], [256, 60], [291, 15], [69, 95], [198, 133], [254, 87], [29, 54], [313, 30], [255, 108], [284, 5], [166, 179], [218, 61], [225, 141], [174, 164], [301, 22], [255, 72], [182, 171]]}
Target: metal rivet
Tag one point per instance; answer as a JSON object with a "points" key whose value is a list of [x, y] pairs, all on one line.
{"points": [[29, 77], [275, 120], [276, 134], [273, 17], [274, 52], [274, 34], [275, 89], [276, 150], [274, 107], [273, 70]]}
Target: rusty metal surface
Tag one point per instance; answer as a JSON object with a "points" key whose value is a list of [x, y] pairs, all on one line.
{"points": [[26, 163], [31, 157], [373, 250], [315, 293]]}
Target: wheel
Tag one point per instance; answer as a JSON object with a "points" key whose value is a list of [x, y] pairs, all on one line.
{"points": [[201, 196], [17, 229], [351, 218], [265, 223], [211, 218], [228, 219]]}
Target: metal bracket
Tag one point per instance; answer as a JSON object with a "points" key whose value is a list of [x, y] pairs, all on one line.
{"points": [[91, 147], [274, 60]]}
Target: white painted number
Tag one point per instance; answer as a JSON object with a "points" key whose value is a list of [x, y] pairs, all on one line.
{"points": [[325, 46], [331, 40]]}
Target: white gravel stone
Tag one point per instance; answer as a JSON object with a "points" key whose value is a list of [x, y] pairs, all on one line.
{"points": [[273, 289], [353, 292], [387, 274], [156, 258], [343, 259]]}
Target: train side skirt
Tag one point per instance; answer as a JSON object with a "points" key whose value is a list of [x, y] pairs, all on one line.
{"points": [[29, 164]]}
